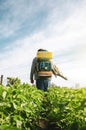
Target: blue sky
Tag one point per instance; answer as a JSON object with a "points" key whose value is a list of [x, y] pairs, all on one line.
{"points": [[56, 25]]}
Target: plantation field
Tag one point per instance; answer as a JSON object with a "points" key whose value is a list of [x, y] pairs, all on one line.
{"points": [[23, 107]]}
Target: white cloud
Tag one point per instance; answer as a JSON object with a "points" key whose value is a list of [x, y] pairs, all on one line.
{"points": [[18, 59]]}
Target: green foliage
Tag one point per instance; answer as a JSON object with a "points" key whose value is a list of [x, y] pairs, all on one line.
{"points": [[66, 108], [20, 107], [24, 107], [13, 81]]}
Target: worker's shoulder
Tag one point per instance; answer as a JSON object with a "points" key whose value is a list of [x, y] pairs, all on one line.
{"points": [[52, 62], [34, 60]]}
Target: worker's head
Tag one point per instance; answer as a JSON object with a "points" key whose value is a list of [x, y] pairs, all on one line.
{"points": [[41, 50]]}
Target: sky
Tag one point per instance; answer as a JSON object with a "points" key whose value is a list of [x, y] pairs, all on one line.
{"points": [[56, 25]]}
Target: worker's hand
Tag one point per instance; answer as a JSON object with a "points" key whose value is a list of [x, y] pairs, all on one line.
{"points": [[32, 81], [65, 78]]}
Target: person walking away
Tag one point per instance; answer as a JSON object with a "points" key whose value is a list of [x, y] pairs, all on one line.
{"points": [[42, 69]]}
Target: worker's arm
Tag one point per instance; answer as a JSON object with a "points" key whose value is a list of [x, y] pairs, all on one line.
{"points": [[32, 70], [56, 72], [61, 75]]}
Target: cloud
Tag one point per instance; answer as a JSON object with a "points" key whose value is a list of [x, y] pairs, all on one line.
{"points": [[19, 55], [14, 13], [21, 14]]}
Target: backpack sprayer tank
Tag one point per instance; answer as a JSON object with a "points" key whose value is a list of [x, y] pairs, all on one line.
{"points": [[44, 55], [44, 66]]}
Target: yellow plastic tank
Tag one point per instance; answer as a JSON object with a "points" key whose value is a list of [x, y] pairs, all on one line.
{"points": [[44, 55]]}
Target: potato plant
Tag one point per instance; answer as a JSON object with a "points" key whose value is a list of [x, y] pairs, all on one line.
{"points": [[24, 107]]}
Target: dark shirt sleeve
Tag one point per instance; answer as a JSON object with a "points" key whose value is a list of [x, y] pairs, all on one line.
{"points": [[33, 66]]}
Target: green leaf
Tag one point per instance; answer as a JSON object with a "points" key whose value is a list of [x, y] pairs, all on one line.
{"points": [[6, 127], [4, 94], [19, 123]]}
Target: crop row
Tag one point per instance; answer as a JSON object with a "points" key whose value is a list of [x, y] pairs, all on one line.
{"points": [[23, 107]]}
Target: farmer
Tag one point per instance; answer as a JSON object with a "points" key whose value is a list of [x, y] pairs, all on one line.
{"points": [[42, 69]]}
